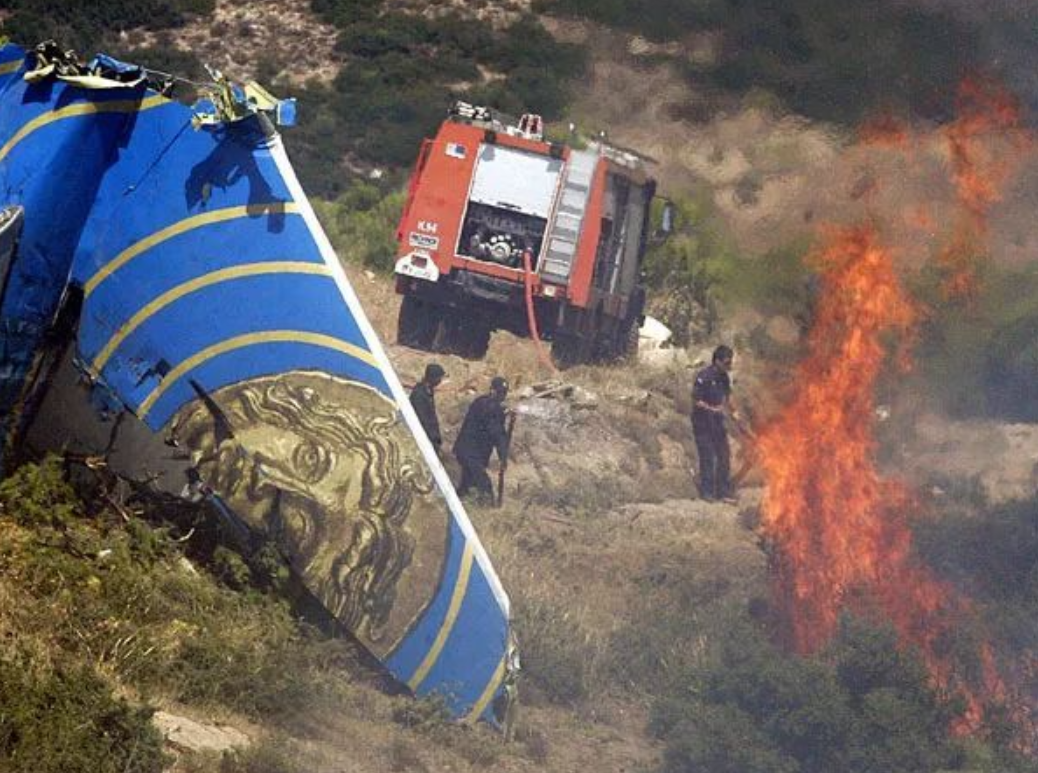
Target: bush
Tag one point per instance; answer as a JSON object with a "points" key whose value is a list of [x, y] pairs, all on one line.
{"points": [[120, 597], [361, 224], [993, 551], [683, 270], [723, 739], [66, 720], [864, 706], [405, 70], [39, 495], [980, 360]]}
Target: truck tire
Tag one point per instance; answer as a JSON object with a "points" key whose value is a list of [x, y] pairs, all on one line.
{"points": [[568, 350], [465, 338], [416, 324], [477, 341], [627, 342]]}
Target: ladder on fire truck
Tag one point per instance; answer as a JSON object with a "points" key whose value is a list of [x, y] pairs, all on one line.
{"points": [[569, 215]]}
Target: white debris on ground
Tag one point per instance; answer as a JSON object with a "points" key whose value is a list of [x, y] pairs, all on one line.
{"points": [[187, 735], [576, 396], [654, 346]]}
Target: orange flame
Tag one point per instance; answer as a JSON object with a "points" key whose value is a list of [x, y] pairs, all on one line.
{"points": [[985, 110], [979, 170], [884, 131], [822, 506], [840, 529]]}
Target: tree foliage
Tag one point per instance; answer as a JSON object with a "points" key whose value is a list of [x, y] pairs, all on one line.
{"points": [[361, 223]]}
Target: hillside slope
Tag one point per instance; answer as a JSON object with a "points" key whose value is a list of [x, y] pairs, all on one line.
{"points": [[628, 591]]}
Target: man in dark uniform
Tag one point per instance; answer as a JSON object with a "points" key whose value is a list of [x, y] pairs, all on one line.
{"points": [[711, 395], [423, 399], [482, 431]]}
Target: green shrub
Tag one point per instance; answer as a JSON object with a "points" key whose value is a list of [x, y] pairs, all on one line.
{"points": [[39, 495], [271, 755], [422, 713], [122, 597], [361, 224], [723, 739], [404, 70], [993, 551], [231, 569], [698, 267], [683, 270], [833, 61], [864, 706], [980, 359], [66, 720]]}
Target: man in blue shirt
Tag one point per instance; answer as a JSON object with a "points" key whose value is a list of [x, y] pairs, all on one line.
{"points": [[711, 396]]}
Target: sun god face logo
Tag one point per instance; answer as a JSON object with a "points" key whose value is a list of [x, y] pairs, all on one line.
{"points": [[326, 468]]}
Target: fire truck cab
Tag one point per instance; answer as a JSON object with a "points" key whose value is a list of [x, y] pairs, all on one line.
{"points": [[499, 220]]}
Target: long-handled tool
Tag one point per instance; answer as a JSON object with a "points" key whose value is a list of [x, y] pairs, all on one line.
{"points": [[509, 430]]}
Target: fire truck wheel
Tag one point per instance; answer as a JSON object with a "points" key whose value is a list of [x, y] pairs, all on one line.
{"points": [[568, 350], [627, 342], [466, 338], [417, 323], [477, 342]]}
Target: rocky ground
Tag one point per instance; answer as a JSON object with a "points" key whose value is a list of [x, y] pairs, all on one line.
{"points": [[282, 36]]}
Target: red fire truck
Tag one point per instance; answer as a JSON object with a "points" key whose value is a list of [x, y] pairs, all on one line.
{"points": [[504, 230]]}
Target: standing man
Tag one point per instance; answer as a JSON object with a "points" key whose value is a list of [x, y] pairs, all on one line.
{"points": [[423, 399], [711, 396], [482, 431]]}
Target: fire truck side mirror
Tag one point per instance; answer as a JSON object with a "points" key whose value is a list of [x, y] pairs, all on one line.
{"points": [[666, 222], [667, 219]]}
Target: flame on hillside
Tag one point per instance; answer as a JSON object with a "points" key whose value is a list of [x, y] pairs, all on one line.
{"points": [[979, 171], [841, 529]]}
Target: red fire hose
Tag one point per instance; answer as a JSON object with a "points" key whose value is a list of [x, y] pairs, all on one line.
{"points": [[531, 318]]}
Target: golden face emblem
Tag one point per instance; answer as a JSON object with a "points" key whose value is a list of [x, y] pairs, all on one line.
{"points": [[326, 468]]}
